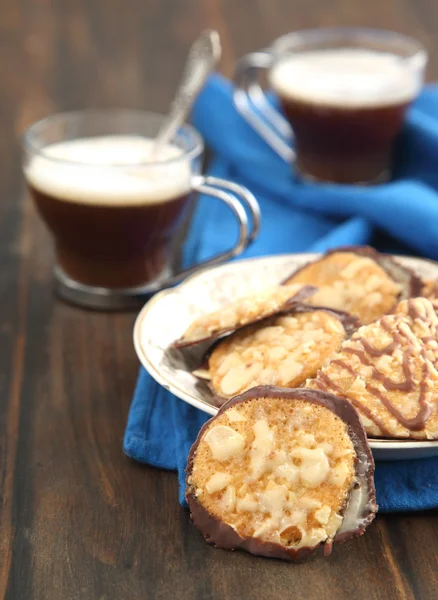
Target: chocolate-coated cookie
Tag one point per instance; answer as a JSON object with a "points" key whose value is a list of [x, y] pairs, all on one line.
{"points": [[281, 472]]}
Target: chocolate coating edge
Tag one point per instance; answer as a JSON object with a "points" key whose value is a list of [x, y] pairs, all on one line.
{"points": [[222, 535], [398, 272]]}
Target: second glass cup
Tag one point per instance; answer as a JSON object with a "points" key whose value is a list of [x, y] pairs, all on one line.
{"points": [[117, 216], [344, 93]]}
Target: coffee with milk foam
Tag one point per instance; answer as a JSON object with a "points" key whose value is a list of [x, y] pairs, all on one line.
{"points": [[111, 209], [345, 77], [109, 170], [346, 107]]}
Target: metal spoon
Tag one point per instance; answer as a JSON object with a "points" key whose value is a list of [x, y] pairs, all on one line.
{"points": [[203, 57]]}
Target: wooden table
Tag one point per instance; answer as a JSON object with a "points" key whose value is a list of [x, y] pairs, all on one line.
{"points": [[78, 519]]}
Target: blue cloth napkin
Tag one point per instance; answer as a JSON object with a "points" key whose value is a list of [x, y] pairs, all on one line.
{"points": [[401, 216]]}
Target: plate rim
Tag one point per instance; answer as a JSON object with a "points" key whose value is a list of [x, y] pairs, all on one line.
{"points": [[375, 443], [150, 367]]}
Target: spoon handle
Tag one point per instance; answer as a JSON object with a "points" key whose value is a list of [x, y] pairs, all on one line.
{"points": [[202, 58]]}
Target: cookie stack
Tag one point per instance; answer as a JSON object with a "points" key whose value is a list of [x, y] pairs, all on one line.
{"points": [[346, 348]]}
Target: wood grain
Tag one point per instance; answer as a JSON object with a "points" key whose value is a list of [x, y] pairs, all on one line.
{"points": [[78, 520]]}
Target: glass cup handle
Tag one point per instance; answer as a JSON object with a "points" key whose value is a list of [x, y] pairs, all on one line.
{"points": [[251, 102], [248, 231]]}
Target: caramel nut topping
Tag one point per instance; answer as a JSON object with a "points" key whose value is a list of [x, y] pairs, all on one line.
{"points": [[357, 280], [283, 351]]}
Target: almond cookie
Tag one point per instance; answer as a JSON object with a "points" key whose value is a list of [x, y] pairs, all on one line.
{"points": [[387, 370], [422, 314], [357, 280], [283, 350], [279, 473], [424, 319], [242, 311]]}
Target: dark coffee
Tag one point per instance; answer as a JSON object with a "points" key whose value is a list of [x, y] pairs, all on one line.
{"points": [[111, 246], [112, 225], [346, 107], [346, 146]]}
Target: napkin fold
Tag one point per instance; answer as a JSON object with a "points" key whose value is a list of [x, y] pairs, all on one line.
{"points": [[400, 216]]}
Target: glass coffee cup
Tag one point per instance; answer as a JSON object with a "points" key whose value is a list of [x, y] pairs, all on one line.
{"points": [[343, 93], [117, 216]]}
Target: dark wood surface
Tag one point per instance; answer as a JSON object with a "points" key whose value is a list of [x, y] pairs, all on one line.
{"points": [[78, 520]]}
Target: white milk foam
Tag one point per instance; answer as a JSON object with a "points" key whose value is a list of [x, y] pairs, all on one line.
{"points": [[109, 170], [345, 77]]}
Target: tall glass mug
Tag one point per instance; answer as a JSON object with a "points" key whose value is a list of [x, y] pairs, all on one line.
{"points": [[344, 93], [117, 215]]}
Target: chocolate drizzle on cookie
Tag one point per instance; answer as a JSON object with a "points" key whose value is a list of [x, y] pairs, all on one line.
{"points": [[324, 383], [411, 347]]}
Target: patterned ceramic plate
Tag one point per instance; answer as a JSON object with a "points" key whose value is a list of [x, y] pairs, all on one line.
{"points": [[164, 319]]}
